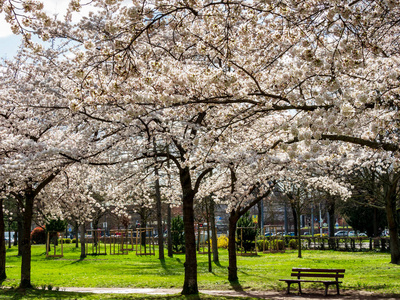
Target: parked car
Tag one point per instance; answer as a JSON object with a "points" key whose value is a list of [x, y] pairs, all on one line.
{"points": [[360, 234], [341, 233]]}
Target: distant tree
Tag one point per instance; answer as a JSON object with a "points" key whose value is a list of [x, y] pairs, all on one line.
{"points": [[364, 218], [178, 234], [246, 232]]}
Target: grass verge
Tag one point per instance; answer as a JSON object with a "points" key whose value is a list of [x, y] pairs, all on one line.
{"points": [[369, 271]]}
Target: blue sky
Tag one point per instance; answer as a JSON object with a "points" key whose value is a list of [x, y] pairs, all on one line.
{"points": [[9, 46], [9, 43]]}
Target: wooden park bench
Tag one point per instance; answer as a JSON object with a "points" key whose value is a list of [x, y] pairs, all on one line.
{"points": [[315, 273]]}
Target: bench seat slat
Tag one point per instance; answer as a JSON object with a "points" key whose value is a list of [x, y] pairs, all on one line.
{"points": [[318, 275], [318, 270], [305, 280]]}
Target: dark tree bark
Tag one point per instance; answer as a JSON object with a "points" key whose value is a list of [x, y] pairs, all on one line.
{"points": [[375, 222], [26, 242], [233, 219], [214, 232], [190, 283], [331, 212], [19, 231], [143, 225], [159, 219], [232, 269], [260, 212], [208, 237], [82, 240], [299, 231], [169, 237], [294, 212], [158, 208], [393, 225], [76, 230], [331, 225], [2, 244]]}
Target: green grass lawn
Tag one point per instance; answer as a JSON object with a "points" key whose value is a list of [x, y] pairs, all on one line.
{"points": [[368, 271]]}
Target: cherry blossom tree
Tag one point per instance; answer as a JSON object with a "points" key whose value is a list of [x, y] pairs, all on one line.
{"points": [[184, 72]]}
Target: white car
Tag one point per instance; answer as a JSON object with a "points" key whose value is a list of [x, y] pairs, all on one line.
{"points": [[341, 233]]}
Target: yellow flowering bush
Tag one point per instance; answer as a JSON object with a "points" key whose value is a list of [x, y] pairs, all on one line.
{"points": [[223, 241]]}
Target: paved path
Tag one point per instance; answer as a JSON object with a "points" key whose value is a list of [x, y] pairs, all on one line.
{"points": [[345, 295]]}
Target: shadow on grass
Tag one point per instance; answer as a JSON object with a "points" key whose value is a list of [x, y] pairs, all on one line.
{"points": [[218, 264], [78, 261], [236, 286], [39, 294], [179, 260]]}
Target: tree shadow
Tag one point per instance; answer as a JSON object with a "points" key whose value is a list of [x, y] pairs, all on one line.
{"points": [[163, 264], [192, 297], [236, 286], [78, 261], [218, 264], [179, 260]]}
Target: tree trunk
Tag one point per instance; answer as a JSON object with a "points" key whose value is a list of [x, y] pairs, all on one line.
{"points": [[232, 269], [159, 219], [375, 230], [26, 242], [331, 226], [76, 230], [331, 212], [393, 228], [143, 224], [83, 246], [214, 232], [169, 233], [190, 284], [294, 217], [158, 208], [208, 244], [20, 231], [299, 231], [3, 244], [260, 212], [9, 234]]}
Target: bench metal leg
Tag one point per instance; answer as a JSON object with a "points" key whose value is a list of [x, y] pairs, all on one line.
{"points": [[326, 289], [299, 288], [288, 288], [337, 288]]}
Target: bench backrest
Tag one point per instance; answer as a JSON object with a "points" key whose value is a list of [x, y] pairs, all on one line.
{"points": [[306, 272]]}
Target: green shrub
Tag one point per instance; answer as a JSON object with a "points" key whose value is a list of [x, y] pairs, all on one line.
{"points": [[178, 235], [73, 241], [246, 233], [293, 244], [262, 245], [67, 241], [278, 245], [56, 225]]}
